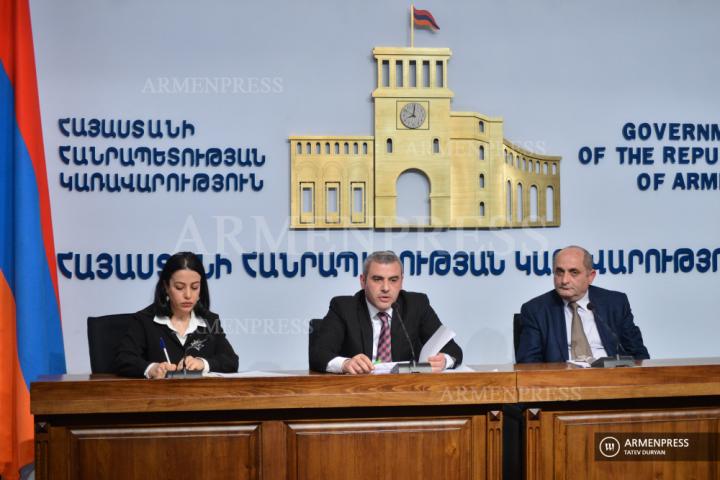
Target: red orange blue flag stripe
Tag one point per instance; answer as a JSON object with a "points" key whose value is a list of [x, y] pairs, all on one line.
{"points": [[423, 18], [31, 342]]}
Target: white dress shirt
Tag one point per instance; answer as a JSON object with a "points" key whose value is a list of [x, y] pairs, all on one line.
{"points": [[588, 323]]}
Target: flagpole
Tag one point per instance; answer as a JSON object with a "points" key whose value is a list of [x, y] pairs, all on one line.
{"points": [[412, 25]]}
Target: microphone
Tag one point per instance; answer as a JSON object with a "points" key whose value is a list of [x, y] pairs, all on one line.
{"points": [[617, 360], [190, 344], [413, 366]]}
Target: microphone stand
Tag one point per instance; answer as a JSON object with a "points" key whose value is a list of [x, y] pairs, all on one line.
{"points": [[185, 372], [413, 366], [618, 360]]}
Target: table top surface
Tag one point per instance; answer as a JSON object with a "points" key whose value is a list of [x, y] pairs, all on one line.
{"points": [[486, 385]]}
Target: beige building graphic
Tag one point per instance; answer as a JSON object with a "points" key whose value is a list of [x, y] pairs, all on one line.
{"points": [[473, 176]]}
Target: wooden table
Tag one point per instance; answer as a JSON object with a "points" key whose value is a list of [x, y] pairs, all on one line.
{"points": [[412, 426], [303, 426], [566, 406]]}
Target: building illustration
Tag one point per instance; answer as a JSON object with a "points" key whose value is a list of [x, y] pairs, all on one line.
{"points": [[474, 177]]}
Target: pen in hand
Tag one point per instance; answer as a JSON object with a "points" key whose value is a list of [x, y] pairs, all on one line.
{"points": [[164, 349]]}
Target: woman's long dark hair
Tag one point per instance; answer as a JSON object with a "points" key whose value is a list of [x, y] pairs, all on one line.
{"points": [[181, 261]]}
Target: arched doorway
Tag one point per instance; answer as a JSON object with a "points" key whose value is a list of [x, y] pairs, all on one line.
{"points": [[413, 198]]}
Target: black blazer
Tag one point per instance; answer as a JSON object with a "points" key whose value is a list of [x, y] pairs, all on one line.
{"points": [[346, 330], [141, 345], [543, 337]]}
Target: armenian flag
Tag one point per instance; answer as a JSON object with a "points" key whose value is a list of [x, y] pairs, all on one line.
{"points": [[423, 18], [31, 342]]}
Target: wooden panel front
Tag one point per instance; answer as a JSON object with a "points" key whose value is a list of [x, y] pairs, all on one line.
{"points": [[207, 452], [392, 448], [561, 444]]}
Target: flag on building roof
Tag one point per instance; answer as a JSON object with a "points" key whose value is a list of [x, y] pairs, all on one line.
{"points": [[423, 18]]}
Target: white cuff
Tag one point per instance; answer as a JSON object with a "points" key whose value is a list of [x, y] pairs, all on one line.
{"points": [[335, 365]]}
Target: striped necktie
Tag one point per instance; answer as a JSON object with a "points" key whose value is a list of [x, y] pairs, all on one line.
{"points": [[384, 348]]}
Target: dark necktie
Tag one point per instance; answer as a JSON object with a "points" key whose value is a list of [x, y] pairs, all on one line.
{"points": [[384, 348], [579, 344]]}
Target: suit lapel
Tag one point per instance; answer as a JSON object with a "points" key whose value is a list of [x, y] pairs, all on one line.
{"points": [[365, 326], [169, 335], [397, 338], [601, 317], [401, 351], [560, 326]]}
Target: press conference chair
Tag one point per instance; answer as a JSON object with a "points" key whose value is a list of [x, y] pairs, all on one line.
{"points": [[313, 333], [517, 328], [104, 334]]}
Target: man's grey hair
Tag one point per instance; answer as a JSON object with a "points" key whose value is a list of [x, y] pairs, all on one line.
{"points": [[587, 257], [382, 256]]}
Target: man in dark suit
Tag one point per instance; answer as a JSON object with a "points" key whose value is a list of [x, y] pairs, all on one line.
{"points": [[368, 326], [576, 320]]}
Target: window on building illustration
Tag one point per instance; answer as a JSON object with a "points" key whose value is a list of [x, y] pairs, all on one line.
{"points": [[298, 148], [365, 150], [425, 73], [355, 148], [482, 209], [519, 202], [533, 203], [412, 74], [317, 148], [554, 168], [332, 202], [327, 148], [389, 146], [308, 148], [337, 148], [307, 206], [307, 199], [398, 74], [482, 180], [508, 201], [436, 145], [385, 73], [545, 170], [332, 197], [530, 166], [439, 80], [346, 148], [549, 204], [537, 168], [357, 199], [481, 152], [481, 125]]}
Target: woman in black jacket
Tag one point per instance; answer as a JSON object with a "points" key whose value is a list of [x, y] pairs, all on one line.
{"points": [[178, 331]]}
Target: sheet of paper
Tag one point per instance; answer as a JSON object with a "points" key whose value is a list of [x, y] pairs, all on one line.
{"points": [[579, 364], [383, 368], [439, 339], [462, 369], [251, 373]]}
